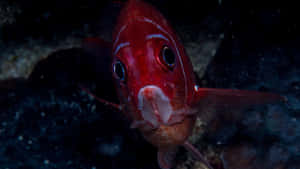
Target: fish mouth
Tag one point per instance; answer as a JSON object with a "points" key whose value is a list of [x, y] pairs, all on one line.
{"points": [[155, 107]]}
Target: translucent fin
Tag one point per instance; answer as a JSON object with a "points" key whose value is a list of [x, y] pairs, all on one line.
{"points": [[196, 154], [232, 98], [166, 158], [115, 106], [226, 104]]}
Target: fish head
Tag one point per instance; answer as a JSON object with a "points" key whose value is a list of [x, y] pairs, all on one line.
{"points": [[152, 71]]}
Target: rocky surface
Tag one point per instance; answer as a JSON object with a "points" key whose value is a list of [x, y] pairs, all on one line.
{"points": [[19, 61], [8, 12], [49, 122]]}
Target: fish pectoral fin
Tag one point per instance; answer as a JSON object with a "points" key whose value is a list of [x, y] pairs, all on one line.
{"points": [[105, 102], [196, 154], [234, 98], [226, 104], [166, 158]]}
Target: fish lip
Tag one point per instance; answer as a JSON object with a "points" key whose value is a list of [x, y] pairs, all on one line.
{"points": [[154, 105], [156, 109], [175, 119]]}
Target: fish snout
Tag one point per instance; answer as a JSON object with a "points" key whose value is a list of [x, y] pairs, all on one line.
{"points": [[154, 105]]}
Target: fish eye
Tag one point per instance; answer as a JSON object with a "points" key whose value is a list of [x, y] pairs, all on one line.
{"points": [[119, 70], [168, 57]]}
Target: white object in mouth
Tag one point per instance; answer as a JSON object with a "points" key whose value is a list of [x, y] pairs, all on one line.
{"points": [[154, 105]]}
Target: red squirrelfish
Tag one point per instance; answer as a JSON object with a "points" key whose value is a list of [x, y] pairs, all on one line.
{"points": [[156, 83]]}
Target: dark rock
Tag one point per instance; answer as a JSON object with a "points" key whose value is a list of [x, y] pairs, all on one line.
{"points": [[254, 60], [48, 121]]}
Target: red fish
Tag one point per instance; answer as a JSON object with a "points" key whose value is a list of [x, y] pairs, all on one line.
{"points": [[156, 85]]}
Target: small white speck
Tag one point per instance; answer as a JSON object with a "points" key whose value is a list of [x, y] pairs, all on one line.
{"points": [[17, 115], [12, 94], [219, 143], [56, 147], [196, 87], [43, 114], [222, 36], [93, 108], [20, 138], [91, 97], [43, 129], [213, 52], [42, 77], [29, 142], [86, 27], [69, 162], [46, 162], [46, 15]]}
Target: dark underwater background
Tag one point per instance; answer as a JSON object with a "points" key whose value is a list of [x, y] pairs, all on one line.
{"points": [[47, 121]]}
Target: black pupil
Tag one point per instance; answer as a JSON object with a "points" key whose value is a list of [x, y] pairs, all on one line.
{"points": [[169, 56], [119, 70]]}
